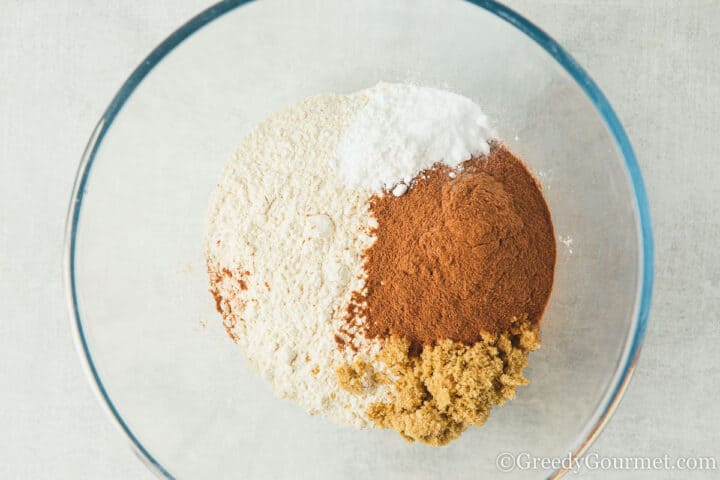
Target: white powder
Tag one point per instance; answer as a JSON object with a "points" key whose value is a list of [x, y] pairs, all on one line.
{"points": [[281, 213], [405, 129], [400, 189]]}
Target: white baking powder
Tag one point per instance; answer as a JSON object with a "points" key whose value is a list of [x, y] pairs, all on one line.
{"points": [[405, 129]]}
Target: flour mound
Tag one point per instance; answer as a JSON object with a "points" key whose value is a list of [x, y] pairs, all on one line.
{"points": [[284, 246]]}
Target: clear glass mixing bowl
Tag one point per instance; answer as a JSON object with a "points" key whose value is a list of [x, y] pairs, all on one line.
{"points": [[147, 332]]}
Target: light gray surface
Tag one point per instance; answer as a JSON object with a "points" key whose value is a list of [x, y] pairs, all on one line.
{"points": [[61, 63]]}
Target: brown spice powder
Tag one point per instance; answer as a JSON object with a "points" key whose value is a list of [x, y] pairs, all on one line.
{"points": [[220, 277], [457, 258]]}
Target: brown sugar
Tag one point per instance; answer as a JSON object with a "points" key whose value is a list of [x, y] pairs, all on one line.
{"points": [[352, 377], [358, 376], [449, 386], [452, 386]]}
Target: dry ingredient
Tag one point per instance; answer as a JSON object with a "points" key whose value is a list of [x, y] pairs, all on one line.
{"points": [[452, 386], [456, 282], [456, 258], [284, 246], [381, 260], [405, 129]]}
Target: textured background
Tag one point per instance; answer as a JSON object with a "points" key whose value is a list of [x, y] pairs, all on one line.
{"points": [[61, 62]]}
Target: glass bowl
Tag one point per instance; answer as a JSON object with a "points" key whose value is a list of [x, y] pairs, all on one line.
{"points": [[147, 331]]}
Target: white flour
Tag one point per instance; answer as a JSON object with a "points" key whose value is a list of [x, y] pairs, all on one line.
{"points": [[281, 214], [405, 129], [289, 223]]}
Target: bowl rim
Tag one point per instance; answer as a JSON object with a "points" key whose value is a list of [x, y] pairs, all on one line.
{"points": [[636, 334]]}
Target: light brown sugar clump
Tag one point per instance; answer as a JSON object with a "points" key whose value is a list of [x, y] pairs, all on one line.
{"points": [[452, 386]]}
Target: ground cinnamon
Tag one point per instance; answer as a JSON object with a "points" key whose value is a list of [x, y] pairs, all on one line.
{"points": [[459, 255]]}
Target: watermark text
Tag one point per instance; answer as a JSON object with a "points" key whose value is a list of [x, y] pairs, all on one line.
{"points": [[519, 461]]}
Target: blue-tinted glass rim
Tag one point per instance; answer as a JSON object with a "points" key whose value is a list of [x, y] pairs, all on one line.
{"points": [[636, 335]]}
